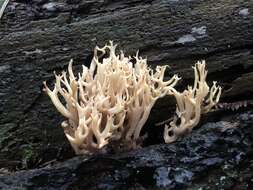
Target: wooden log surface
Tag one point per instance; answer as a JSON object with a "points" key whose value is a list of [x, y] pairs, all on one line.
{"points": [[40, 36], [217, 156]]}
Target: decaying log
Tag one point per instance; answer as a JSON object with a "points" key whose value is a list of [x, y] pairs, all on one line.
{"points": [[217, 156], [40, 36]]}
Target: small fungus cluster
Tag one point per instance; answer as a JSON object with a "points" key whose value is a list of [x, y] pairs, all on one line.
{"points": [[112, 99], [191, 103]]}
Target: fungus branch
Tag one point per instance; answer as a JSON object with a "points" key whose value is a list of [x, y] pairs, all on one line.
{"points": [[191, 103]]}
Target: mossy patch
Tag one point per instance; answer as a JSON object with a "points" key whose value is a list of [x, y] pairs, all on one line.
{"points": [[29, 157]]}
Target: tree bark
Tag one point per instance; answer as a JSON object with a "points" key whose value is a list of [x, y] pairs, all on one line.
{"points": [[38, 37], [216, 156]]}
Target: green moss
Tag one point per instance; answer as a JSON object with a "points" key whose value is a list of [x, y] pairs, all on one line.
{"points": [[29, 157]]}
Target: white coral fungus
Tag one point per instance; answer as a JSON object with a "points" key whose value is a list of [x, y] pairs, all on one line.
{"points": [[110, 100], [191, 103]]}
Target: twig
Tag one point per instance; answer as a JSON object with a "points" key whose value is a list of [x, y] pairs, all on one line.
{"points": [[234, 106], [164, 122], [48, 163], [4, 5]]}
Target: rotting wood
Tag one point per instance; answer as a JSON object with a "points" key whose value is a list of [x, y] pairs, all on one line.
{"points": [[37, 38]]}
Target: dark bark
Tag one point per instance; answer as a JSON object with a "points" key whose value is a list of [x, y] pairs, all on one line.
{"points": [[216, 156], [38, 37]]}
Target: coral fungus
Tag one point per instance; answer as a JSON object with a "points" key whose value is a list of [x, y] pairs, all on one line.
{"points": [[111, 100], [191, 103]]}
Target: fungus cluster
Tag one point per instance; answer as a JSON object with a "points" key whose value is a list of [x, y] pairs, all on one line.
{"points": [[112, 99], [191, 103]]}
